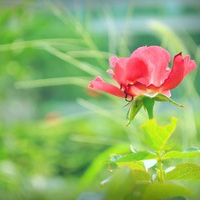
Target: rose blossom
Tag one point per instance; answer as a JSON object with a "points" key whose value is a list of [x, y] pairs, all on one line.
{"points": [[145, 72]]}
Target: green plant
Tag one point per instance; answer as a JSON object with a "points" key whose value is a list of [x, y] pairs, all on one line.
{"points": [[147, 174]]}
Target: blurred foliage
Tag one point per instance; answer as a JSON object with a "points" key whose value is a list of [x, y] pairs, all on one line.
{"points": [[143, 175], [53, 145]]}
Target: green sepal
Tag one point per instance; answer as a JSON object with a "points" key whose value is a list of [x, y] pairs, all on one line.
{"points": [[149, 104], [134, 109], [162, 97]]}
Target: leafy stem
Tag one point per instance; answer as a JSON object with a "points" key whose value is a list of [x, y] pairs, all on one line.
{"points": [[161, 173]]}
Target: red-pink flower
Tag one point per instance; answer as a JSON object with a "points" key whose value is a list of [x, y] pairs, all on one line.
{"points": [[145, 72]]}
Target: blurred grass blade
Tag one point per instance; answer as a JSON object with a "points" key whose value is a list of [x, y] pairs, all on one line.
{"points": [[101, 111], [174, 42], [176, 45], [89, 54], [81, 65], [112, 31], [79, 29], [80, 81], [125, 38], [41, 43]]}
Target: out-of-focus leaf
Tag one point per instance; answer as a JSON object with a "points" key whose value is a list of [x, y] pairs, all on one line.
{"points": [[98, 164], [158, 136], [120, 185], [161, 97], [132, 165], [135, 107], [159, 191], [141, 176], [179, 154], [137, 157], [184, 171], [149, 104]]}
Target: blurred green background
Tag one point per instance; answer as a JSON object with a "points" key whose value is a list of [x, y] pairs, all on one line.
{"points": [[54, 133]]}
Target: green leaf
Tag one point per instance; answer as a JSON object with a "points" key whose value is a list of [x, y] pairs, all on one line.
{"points": [[120, 185], [179, 154], [149, 104], [158, 136], [161, 97], [141, 176], [96, 166], [123, 182], [132, 165], [137, 157], [138, 165], [184, 171], [159, 191], [135, 107]]}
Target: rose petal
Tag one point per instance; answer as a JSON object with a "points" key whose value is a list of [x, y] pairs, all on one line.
{"points": [[136, 89], [177, 73], [167, 93], [99, 84], [189, 65], [157, 60], [110, 71], [113, 61], [136, 69], [120, 71]]}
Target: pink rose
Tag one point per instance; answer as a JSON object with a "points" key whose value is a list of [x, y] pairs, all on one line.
{"points": [[145, 72]]}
